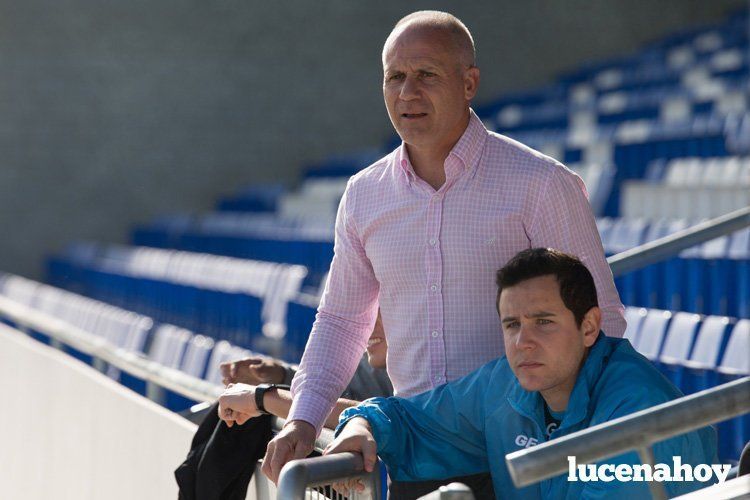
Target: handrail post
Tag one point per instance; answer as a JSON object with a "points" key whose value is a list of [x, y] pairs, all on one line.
{"points": [[293, 480], [297, 475], [646, 454]]}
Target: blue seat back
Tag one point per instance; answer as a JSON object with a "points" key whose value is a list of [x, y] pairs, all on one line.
{"points": [[652, 333]]}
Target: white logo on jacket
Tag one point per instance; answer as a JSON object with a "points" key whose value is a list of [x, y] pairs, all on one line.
{"points": [[526, 441]]}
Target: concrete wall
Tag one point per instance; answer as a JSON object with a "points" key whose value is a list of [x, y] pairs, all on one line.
{"points": [[71, 433], [113, 112]]}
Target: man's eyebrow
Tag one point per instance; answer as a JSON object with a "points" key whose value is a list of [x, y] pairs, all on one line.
{"points": [[418, 63], [540, 314]]}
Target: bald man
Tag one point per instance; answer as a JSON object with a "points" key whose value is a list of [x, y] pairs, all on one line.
{"points": [[422, 231]]}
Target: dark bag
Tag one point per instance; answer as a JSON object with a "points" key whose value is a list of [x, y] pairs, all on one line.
{"points": [[222, 459]]}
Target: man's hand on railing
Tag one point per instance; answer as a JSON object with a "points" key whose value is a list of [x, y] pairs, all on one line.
{"points": [[296, 440], [237, 404], [356, 436], [253, 371]]}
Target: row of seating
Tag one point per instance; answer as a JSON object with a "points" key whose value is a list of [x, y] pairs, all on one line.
{"points": [[670, 101], [317, 199], [228, 298], [169, 345], [644, 199], [689, 188], [241, 236], [120, 327], [671, 55], [699, 172], [712, 53], [696, 353], [711, 278]]}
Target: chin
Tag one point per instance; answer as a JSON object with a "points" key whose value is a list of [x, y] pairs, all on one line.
{"points": [[375, 360], [531, 384]]}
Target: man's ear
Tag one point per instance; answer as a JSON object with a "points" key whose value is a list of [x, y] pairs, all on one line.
{"points": [[471, 82], [591, 324]]}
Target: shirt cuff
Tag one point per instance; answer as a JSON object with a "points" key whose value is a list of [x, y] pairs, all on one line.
{"points": [[311, 408]]}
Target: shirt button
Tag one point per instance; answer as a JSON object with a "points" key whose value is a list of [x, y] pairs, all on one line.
{"points": [[433, 242], [435, 333], [438, 378], [434, 288]]}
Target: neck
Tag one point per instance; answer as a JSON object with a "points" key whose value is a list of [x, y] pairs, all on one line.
{"points": [[429, 164], [428, 160], [556, 399]]}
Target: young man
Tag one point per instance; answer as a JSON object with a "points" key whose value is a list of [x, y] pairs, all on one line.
{"points": [[560, 375]]}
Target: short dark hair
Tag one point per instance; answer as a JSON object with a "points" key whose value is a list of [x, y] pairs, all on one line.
{"points": [[577, 288]]}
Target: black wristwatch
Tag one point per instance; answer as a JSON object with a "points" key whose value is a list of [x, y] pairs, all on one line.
{"points": [[260, 391]]}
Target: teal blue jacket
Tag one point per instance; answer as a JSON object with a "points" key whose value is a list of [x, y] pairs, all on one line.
{"points": [[468, 426]]}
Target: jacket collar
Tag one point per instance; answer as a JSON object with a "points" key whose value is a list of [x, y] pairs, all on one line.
{"points": [[531, 404]]}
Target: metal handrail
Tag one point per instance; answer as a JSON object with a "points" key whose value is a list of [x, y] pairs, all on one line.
{"points": [[632, 432], [26, 318], [154, 374], [298, 475], [657, 250]]}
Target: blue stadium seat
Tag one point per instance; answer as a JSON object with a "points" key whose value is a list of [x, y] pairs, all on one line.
{"points": [[634, 317], [649, 279], [677, 345], [196, 356], [652, 333], [169, 345], [624, 235], [300, 317], [671, 289], [738, 255], [700, 370]]}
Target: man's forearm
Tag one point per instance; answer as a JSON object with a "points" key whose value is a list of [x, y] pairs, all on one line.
{"points": [[279, 401]]}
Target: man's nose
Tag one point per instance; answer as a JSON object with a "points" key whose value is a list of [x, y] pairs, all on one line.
{"points": [[409, 89], [526, 337]]}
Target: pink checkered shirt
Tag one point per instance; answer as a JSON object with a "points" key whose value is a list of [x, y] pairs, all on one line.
{"points": [[429, 259]]}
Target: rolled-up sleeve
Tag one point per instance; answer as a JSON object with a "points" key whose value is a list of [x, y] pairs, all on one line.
{"points": [[345, 318], [563, 220]]}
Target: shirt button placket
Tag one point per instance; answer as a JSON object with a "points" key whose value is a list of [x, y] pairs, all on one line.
{"points": [[433, 259]]}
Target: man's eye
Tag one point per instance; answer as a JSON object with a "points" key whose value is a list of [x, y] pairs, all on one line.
{"points": [[511, 325], [426, 74], [542, 321], [396, 77]]}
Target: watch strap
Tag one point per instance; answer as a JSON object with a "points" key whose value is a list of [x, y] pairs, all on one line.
{"points": [[260, 392]]}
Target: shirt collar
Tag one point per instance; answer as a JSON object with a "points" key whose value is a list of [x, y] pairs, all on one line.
{"points": [[468, 149], [531, 405]]}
